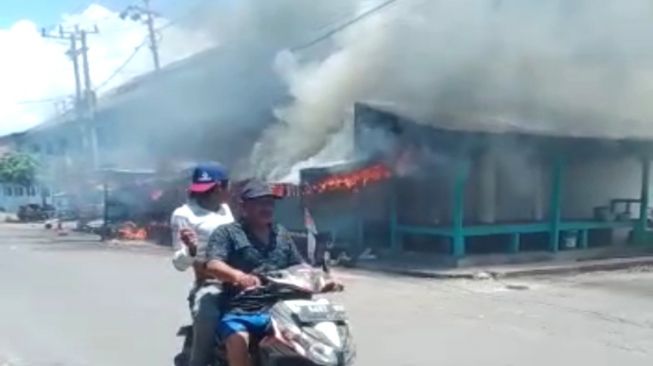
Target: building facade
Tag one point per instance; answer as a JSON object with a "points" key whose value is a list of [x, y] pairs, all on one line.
{"points": [[12, 196]]}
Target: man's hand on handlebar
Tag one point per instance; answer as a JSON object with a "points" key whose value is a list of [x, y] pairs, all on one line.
{"points": [[246, 281], [332, 286]]}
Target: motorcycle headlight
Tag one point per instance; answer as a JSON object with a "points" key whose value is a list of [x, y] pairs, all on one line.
{"points": [[322, 354]]}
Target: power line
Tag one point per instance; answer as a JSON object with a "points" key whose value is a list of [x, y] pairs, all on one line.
{"points": [[84, 105], [343, 26], [122, 66], [145, 14], [306, 45], [44, 100], [170, 23]]}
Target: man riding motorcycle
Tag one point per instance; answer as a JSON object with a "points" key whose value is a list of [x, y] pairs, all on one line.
{"points": [[192, 224], [235, 253]]}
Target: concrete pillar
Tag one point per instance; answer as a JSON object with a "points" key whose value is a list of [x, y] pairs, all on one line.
{"points": [[395, 243], [556, 202], [642, 224], [460, 182], [487, 201], [539, 192]]}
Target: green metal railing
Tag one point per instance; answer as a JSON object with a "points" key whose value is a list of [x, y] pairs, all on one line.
{"points": [[554, 226]]}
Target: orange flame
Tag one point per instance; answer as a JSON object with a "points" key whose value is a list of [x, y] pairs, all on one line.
{"points": [[279, 190], [129, 231], [353, 180]]}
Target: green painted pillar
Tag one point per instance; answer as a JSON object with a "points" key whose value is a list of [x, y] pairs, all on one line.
{"points": [[584, 239], [360, 221], [556, 203], [395, 243], [642, 223], [515, 243], [360, 233], [462, 172]]}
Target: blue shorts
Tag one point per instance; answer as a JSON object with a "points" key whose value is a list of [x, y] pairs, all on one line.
{"points": [[255, 324]]}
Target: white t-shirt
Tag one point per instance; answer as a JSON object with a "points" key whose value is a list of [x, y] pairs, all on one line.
{"points": [[203, 222]]}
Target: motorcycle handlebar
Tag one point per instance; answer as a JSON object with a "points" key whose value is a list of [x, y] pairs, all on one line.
{"points": [[269, 281]]}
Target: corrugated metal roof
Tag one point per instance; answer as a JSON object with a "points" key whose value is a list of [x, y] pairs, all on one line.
{"points": [[619, 130], [115, 95]]}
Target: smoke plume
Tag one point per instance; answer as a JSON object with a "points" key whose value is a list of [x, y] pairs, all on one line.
{"points": [[213, 105], [570, 67]]}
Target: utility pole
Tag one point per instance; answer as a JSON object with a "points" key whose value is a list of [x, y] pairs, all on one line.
{"points": [[89, 97], [73, 52], [153, 43], [87, 71], [84, 102], [137, 13]]}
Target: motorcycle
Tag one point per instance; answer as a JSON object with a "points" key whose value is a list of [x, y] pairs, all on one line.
{"points": [[306, 327]]}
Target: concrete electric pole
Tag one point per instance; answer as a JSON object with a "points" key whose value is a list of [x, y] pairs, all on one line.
{"points": [[73, 52], [89, 98], [84, 102], [146, 15]]}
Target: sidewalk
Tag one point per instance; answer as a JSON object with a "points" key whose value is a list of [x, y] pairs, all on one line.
{"points": [[413, 269]]}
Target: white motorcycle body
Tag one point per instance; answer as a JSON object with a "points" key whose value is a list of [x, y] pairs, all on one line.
{"points": [[307, 329]]}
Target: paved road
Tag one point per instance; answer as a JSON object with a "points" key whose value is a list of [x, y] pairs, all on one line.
{"points": [[69, 302]]}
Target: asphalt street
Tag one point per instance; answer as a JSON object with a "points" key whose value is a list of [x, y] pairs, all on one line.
{"points": [[71, 301]]}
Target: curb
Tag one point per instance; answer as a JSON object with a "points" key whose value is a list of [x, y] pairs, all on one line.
{"points": [[415, 273], [576, 268]]}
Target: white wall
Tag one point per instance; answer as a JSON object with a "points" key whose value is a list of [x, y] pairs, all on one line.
{"points": [[523, 187], [590, 184], [19, 196], [507, 185]]}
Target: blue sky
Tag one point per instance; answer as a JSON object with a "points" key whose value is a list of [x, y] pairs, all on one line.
{"points": [[36, 73], [48, 12]]}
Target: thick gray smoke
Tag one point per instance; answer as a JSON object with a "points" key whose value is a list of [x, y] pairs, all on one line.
{"points": [[213, 105], [572, 67]]}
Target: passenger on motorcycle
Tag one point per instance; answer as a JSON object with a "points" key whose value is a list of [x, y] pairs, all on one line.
{"points": [[192, 224], [236, 252]]}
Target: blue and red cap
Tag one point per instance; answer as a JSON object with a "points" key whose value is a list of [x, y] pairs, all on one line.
{"points": [[206, 176]]}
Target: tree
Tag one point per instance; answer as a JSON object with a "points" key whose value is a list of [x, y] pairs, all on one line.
{"points": [[18, 168]]}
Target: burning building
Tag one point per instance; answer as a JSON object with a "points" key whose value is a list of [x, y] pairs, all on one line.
{"points": [[480, 190], [138, 204]]}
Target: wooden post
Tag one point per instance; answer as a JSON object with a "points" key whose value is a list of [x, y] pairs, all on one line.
{"points": [[556, 203], [462, 171], [642, 223]]}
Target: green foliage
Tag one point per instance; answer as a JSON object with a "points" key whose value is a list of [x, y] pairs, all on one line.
{"points": [[18, 168]]}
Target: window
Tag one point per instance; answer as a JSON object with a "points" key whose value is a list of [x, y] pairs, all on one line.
{"points": [[8, 191], [35, 149], [19, 191], [31, 191]]}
